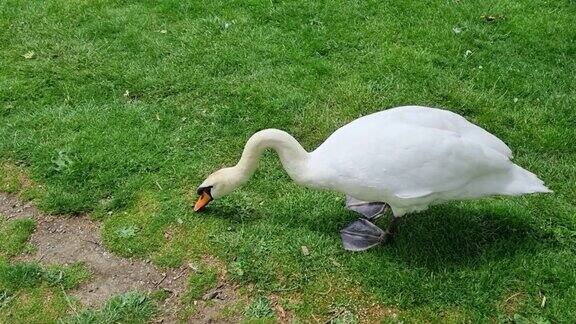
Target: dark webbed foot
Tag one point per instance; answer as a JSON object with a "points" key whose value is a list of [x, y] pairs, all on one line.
{"points": [[363, 234], [370, 210]]}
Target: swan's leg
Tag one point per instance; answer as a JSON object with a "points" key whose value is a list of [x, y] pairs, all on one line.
{"points": [[370, 210], [393, 226], [392, 229]]}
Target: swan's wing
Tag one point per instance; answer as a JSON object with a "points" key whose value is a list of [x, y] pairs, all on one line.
{"points": [[449, 121], [440, 119]]}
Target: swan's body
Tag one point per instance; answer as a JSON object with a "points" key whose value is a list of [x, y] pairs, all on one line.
{"points": [[408, 157]]}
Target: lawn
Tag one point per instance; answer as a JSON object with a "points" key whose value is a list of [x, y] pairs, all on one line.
{"points": [[120, 109]]}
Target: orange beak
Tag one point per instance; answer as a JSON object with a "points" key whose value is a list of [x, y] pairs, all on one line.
{"points": [[202, 201]]}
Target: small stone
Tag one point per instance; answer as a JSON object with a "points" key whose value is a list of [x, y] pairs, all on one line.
{"points": [[211, 295], [305, 250]]}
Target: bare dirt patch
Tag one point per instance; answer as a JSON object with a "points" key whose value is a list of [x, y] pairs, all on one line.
{"points": [[12, 207], [65, 240], [220, 304]]}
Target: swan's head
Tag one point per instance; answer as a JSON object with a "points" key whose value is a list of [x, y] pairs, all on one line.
{"points": [[218, 184]]}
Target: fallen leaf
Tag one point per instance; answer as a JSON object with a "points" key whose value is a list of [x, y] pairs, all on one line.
{"points": [[456, 30], [281, 312], [29, 55], [491, 18], [193, 267]]}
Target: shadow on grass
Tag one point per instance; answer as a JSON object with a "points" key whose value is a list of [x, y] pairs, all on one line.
{"points": [[449, 236], [233, 214]]}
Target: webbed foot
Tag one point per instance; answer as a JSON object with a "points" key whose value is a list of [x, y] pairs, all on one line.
{"points": [[362, 235], [370, 210]]}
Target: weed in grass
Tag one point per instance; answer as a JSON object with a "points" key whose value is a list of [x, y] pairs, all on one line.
{"points": [[260, 308], [134, 232]]}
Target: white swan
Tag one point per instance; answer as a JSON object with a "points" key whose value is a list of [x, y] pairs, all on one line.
{"points": [[407, 157]]}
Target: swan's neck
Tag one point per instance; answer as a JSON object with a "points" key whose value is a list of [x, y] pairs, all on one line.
{"points": [[294, 158]]}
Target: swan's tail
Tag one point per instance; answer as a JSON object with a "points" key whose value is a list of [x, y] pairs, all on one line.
{"points": [[524, 182]]}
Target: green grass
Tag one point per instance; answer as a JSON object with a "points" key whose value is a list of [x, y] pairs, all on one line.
{"points": [[131, 307], [32, 294], [124, 107], [14, 234]]}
